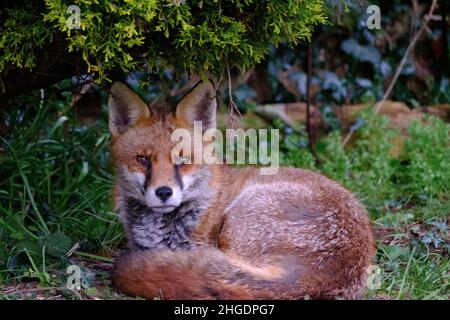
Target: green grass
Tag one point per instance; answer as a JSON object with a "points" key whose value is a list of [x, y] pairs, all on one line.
{"points": [[55, 197], [55, 192]]}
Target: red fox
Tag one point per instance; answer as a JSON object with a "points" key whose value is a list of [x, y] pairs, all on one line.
{"points": [[210, 231]]}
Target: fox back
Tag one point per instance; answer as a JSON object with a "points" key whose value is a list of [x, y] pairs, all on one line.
{"points": [[208, 231]]}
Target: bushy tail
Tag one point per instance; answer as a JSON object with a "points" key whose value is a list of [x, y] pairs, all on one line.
{"points": [[205, 273]]}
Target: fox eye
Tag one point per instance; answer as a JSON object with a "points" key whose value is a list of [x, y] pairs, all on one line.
{"points": [[143, 160]]}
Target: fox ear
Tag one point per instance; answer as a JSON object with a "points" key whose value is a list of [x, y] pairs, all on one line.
{"points": [[125, 108], [198, 105]]}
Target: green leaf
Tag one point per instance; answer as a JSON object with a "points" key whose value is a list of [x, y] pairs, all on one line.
{"points": [[393, 252], [57, 244]]}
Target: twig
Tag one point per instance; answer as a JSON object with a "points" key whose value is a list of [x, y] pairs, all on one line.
{"points": [[10, 289], [82, 90], [219, 82], [73, 249], [45, 289], [81, 81], [93, 256], [231, 105], [410, 47]]}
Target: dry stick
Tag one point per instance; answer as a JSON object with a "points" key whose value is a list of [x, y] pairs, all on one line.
{"points": [[388, 92], [232, 106], [218, 83], [82, 90]]}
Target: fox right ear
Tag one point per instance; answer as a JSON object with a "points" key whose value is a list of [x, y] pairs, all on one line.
{"points": [[199, 104], [125, 108]]}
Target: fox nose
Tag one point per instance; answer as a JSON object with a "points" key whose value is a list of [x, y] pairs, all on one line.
{"points": [[163, 193]]}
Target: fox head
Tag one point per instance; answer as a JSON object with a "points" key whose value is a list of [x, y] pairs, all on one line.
{"points": [[142, 147]]}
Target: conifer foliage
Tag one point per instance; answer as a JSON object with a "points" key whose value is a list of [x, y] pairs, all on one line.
{"points": [[183, 35]]}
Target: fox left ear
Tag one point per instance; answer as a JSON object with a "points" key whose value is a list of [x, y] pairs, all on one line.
{"points": [[198, 105], [125, 108]]}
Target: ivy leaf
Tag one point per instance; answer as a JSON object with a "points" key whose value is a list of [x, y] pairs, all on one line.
{"points": [[394, 252], [334, 84], [301, 79], [364, 83], [360, 52], [385, 69]]}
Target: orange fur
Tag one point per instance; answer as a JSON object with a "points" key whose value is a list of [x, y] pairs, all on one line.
{"points": [[292, 235]]}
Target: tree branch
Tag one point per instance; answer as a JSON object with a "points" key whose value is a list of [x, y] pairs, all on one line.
{"points": [[410, 47]]}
